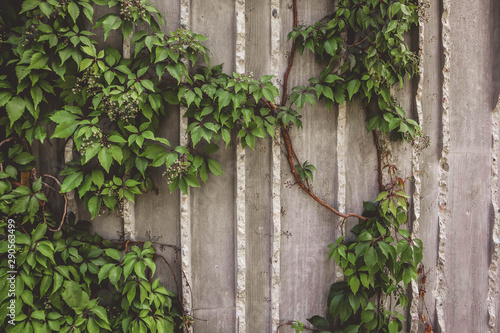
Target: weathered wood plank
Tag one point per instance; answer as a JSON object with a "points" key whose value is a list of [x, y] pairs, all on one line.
{"points": [[308, 228]]}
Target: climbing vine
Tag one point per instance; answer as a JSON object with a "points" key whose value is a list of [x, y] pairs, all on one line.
{"points": [[362, 46], [58, 82]]}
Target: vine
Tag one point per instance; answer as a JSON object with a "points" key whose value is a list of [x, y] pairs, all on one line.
{"points": [[58, 82], [363, 48]]}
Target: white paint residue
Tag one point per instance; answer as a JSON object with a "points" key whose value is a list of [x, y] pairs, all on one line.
{"points": [[241, 266], [495, 257], [342, 182], [185, 216], [443, 214], [414, 317], [276, 57], [129, 227]]}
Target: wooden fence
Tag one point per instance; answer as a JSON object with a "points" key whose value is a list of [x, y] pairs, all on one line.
{"points": [[254, 246]]}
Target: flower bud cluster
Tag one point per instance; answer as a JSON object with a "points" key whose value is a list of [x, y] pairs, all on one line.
{"points": [[88, 80], [31, 32], [3, 34], [47, 304], [131, 6], [127, 110], [95, 138], [175, 170]]}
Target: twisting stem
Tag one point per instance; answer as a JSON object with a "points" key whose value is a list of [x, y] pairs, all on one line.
{"points": [[379, 160], [288, 141], [290, 59], [184, 315], [290, 323], [299, 181], [161, 245], [65, 203], [1, 143]]}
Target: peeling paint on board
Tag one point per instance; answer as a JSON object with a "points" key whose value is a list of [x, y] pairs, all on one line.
{"points": [[443, 170]]}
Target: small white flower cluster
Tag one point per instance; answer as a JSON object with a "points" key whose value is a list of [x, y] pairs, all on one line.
{"points": [[130, 6], [128, 109], [89, 80], [175, 170]]}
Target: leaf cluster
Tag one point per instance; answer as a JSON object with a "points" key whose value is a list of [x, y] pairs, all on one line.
{"points": [[379, 262], [59, 82], [70, 280], [364, 49]]}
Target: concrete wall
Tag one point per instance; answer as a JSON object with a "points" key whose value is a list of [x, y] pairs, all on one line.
{"points": [[254, 246]]}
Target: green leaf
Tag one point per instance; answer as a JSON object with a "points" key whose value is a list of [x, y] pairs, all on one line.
{"points": [[402, 245], [114, 275], [72, 181], [384, 248], [394, 9], [392, 207], [148, 85], [393, 326], [91, 151], [36, 95], [354, 302], [224, 98], [382, 196], [100, 312], [38, 61], [371, 257], [39, 232], [98, 177], [15, 109], [351, 329], [104, 271], [33, 206], [318, 321], [331, 47], [385, 206], [140, 268], [111, 22], [353, 87], [5, 97], [250, 140], [29, 5], [386, 94], [65, 129], [113, 253], [73, 10], [367, 316], [204, 173], [23, 158], [391, 26], [46, 8], [417, 254], [214, 167], [74, 296], [117, 153], [105, 158], [46, 249], [354, 284], [45, 284]]}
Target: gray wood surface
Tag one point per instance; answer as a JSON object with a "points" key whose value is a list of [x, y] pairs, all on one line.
{"points": [[307, 228]]}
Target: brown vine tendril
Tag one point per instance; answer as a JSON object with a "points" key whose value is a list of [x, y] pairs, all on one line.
{"points": [[65, 203], [379, 160], [288, 141], [184, 314], [292, 54]]}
